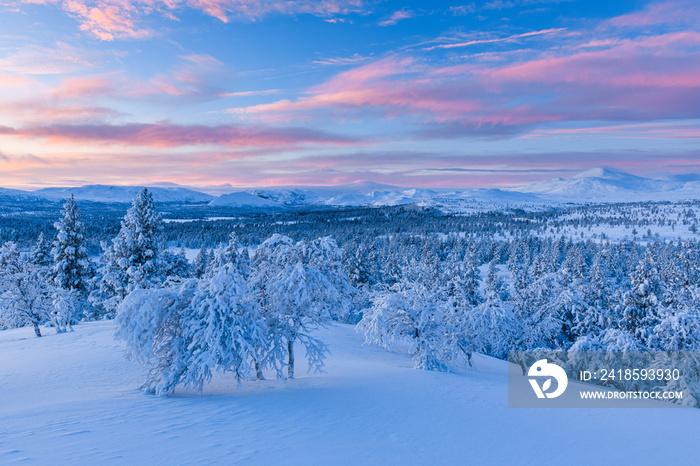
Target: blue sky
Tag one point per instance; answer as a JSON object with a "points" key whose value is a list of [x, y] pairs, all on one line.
{"points": [[206, 92]]}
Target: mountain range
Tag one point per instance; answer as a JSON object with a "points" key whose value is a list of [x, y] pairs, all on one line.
{"points": [[593, 185]]}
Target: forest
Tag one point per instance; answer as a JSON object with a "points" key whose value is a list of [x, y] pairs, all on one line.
{"points": [[609, 277]]}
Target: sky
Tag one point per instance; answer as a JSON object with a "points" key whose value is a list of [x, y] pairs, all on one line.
{"points": [[301, 92]]}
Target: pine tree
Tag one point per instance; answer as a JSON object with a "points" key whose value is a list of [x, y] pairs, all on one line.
{"points": [[471, 276], [201, 262], [41, 252], [643, 302], [359, 267], [133, 259], [176, 264], [71, 267]]}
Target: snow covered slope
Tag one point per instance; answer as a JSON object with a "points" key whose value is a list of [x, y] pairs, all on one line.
{"points": [[72, 399], [243, 199], [396, 196], [594, 185], [605, 184], [18, 195], [124, 194]]}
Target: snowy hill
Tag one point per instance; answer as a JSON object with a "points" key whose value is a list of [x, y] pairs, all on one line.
{"points": [[287, 197], [124, 194], [594, 185], [18, 195], [243, 199], [395, 196], [72, 398], [605, 184]]}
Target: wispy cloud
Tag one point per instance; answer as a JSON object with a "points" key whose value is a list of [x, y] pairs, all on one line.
{"points": [[119, 19], [250, 93], [163, 135], [60, 58], [510, 38], [397, 16], [614, 78], [667, 13], [342, 61]]}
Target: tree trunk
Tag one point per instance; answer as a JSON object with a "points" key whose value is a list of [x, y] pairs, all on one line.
{"points": [[36, 329], [258, 371], [290, 350]]}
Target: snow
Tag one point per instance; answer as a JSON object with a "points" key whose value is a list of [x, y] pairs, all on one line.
{"points": [[610, 185], [242, 199], [123, 194], [590, 186], [73, 398]]}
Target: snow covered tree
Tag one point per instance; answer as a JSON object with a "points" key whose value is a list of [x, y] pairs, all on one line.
{"points": [[491, 327], [224, 331], [188, 329], [299, 287], [201, 262], [411, 313], [470, 277], [176, 264], [495, 283], [536, 307], [133, 259], [10, 259], [71, 265], [150, 323], [41, 252], [25, 293], [643, 302], [301, 298], [63, 314], [358, 266]]}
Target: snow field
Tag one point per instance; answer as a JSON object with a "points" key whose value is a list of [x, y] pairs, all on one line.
{"points": [[73, 398]]}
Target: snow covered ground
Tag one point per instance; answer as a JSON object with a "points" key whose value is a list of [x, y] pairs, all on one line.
{"points": [[73, 398]]}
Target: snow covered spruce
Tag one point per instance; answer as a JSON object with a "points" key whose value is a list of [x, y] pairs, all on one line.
{"points": [[50, 285]]}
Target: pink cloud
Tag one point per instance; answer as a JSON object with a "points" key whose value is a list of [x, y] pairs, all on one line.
{"points": [[654, 130], [10, 80], [83, 87], [122, 19], [164, 135], [674, 12], [653, 77], [397, 16]]}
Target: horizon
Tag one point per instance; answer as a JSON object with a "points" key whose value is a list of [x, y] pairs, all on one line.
{"points": [[487, 94], [218, 190]]}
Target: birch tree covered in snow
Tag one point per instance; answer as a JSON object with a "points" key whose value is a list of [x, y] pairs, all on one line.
{"points": [[25, 294], [298, 287]]}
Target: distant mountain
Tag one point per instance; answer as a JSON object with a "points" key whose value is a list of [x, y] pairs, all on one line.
{"points": [[605, 184], [594, 185], [18, 195], [124, 194], [395, 196], [499, 195], [287, 197], [243, 199]]}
